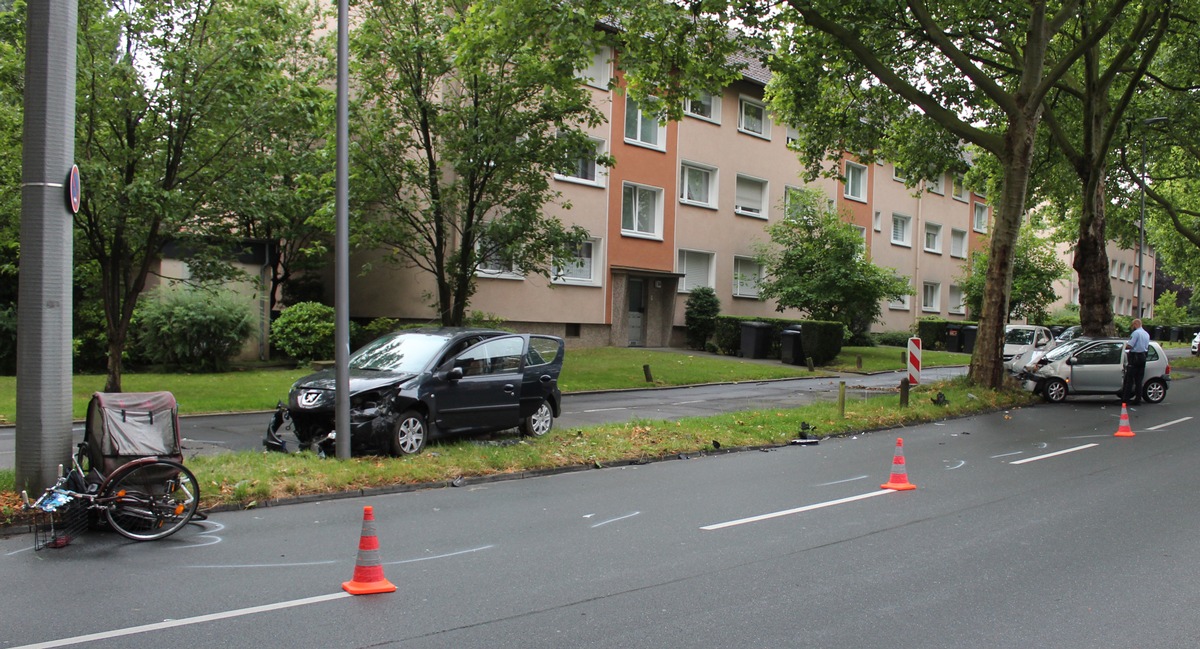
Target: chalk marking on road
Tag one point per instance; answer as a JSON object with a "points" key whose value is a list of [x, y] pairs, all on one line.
{"points": [[798, 510], [1062, 452], [961, 463], [1085, 436], [613, 520], [440, 556], [170, 624], [1170, 423], [826, 484], [208, 535], [240, 566], [1008, 454]]}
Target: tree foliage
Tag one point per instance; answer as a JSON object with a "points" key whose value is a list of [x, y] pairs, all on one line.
{"points": [[815, 263], [468, 107], [1036, 267]]}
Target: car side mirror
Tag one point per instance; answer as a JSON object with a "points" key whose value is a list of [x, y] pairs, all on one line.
{"points": [[454, 374], [1071, 361]]}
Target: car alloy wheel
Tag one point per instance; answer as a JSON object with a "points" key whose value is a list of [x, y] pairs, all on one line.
{"points": [[1055, 390], [540, 422], [408, 436], [1154, 391]]}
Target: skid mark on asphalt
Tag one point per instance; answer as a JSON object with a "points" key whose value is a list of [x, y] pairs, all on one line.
{"points": [[613, 520]]}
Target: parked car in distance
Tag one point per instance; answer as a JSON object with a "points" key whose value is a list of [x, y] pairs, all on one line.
{"points": [[1196, 344], [413, 385], [1094, 366], [1022, 343], [1070, 333]]}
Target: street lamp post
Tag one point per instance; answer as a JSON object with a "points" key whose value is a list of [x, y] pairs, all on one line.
{"points": [[1141, 278]]}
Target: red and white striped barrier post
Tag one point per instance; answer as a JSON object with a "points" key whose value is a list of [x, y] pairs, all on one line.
{"points": [[914, 361]]}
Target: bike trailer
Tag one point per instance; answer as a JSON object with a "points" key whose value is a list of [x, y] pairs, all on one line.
{"points": [[125, 426]]}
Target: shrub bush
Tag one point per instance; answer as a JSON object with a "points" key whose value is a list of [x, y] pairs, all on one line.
{"points": [[893, 338], [195, 330], [700, 316], [304, 331]]}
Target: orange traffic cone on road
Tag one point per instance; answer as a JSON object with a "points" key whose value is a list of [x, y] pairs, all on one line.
{"points": [[1123, 429], [899, 480], [368, 571]]}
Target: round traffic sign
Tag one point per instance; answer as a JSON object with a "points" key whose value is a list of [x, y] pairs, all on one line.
{"points": [[74, 189]]}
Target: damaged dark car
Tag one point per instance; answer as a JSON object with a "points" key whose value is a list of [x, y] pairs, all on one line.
{"points": [[415, 385]]}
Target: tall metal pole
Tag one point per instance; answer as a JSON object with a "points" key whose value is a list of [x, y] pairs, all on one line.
{"points": [[341, 298], [1141, 310], [43, 432]]}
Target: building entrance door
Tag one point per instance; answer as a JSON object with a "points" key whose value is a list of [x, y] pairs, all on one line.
{"points": [[637, 311]]}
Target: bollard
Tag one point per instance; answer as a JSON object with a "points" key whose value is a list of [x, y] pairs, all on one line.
{"points": [[649, 376], [809, 363], [904, 392], [842, 399], [858, 361]]}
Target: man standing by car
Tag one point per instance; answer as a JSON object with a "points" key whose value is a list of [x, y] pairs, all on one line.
{"points": [[1135, 363]]}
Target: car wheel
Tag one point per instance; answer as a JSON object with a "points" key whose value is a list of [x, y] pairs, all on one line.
{"points": [[408, 436], [1055, 390], [1154, 391], [540, 422]]}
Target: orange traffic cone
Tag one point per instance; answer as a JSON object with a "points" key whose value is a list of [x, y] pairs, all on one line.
{"points": [[368, 572], [899, 480], [1123, 430]]}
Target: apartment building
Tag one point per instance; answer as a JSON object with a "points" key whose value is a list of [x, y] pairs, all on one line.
{"points": [[686, 205], [1126, 270]]}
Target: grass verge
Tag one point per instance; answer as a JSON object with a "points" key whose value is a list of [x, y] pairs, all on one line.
{"points": [[249, 479]]}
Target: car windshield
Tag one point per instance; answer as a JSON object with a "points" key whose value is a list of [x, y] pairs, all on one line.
{"points": [[399, 352], [1064, 350], [1018, 337]]}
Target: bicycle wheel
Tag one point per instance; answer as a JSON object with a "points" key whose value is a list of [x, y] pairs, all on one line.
{"points": [[151, 501]]}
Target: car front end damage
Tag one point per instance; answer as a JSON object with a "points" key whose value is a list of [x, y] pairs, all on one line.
{"points": [[311, 414]]}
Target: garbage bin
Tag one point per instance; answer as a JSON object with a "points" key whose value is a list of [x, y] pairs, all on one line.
{"points": [[791, 349], [969, 333], [954, 337], [756, 339], [1174, 334]]}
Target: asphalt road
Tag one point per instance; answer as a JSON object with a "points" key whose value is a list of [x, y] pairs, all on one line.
{"points": [[1032, 528]]}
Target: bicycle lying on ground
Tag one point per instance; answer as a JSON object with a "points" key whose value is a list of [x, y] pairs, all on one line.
{"points": [[128, 470]]}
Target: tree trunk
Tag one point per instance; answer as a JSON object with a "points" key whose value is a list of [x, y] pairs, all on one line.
{"points": [[987, 362], [1091, 260]]}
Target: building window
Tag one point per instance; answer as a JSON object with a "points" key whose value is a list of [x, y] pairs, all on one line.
{"points": [[900, 229], [583, 169], [933, 238], [1148, 279], [898, 174], [936, 185], [598, 73], [981, 218], [1112, 268], [902, 303], [580, 268], [746, 276], [793, 135], [956, 304], [642, 128], [493, 262], [877, 221], [751, 199], [641, 211], [930, 295], [697, 185], [752, 118], [856, 182], [960, 191], [958, 243], [696, 268], [862, 232], [705, 105]]}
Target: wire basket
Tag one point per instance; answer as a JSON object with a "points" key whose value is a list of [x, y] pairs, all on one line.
{"points": [[55, 529]]}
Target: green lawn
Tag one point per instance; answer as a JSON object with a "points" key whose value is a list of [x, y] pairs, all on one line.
{"points": [[602, 368]]}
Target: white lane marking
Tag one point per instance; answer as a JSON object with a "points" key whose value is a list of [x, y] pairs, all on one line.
{"points": [[1085, 436], [240, 566], [169, 624], [1063, 452], [604, 409], [826, 484], [684, 403], [613, 520], [440, 556], [1008, 454], [1170, 423], [798, 510]]}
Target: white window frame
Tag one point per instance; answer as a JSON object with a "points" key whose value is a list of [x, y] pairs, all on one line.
{"points": [[937, 185], [788, 192], [599, 73], [601, 176], [907, 220], [496, 269], [855, 191], [641, 123], [936, 230], [877, 221], [639, 194], [936, 305], [1148, 279], [958, 189], [593, 247], [980, 210], [903, 304], [862, 232], [793, 135], [688, 168], [956, 304], [747, 209], [898, 174], [714, 107], [742, 287], [744, 102], [957, 251], [685, 260], [1112, 268]]}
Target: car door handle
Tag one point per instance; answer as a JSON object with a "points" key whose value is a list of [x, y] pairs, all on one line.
{"points": [[509, 388], [546, 378]]}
